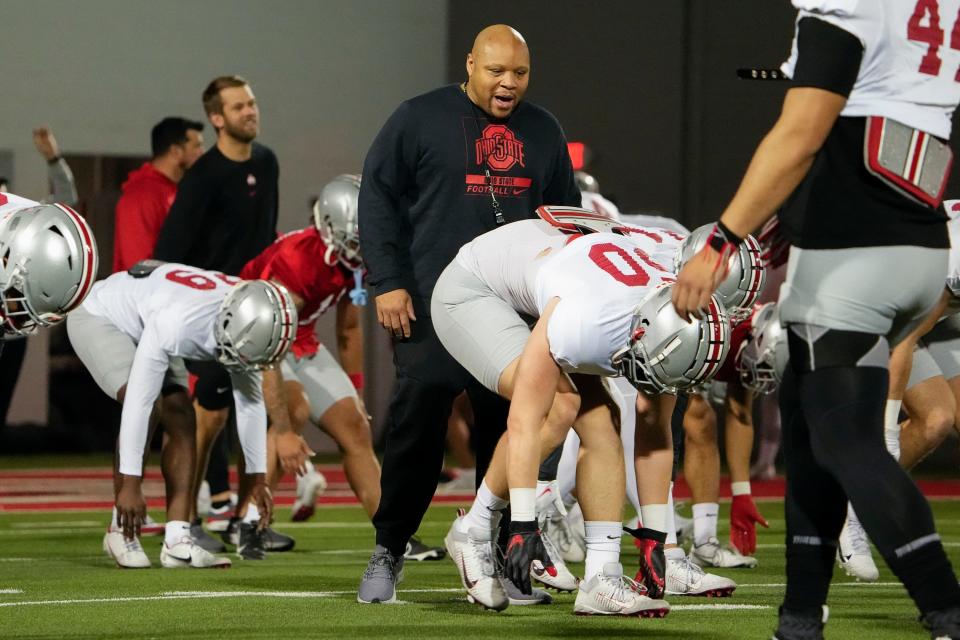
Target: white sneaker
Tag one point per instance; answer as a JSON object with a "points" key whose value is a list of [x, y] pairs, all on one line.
{"points": [[560, 578], [187, 553], [151, 527], [519, 599], [711, 554], [577, 551], [474, 556], [687, 579], [610, 593], [128, 554], [569, 543], [853, 551], [309, 487]]}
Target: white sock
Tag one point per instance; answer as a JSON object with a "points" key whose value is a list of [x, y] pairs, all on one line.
{"points": [[175, 531], [603, 545], [253, 515], [113, 521], [705, 522], [523, 504], [674, 552], [891, 427], [484, 512], [654, 516], [671, 518]]}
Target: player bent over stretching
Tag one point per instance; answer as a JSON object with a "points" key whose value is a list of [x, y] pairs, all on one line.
{"points": [[132, 334], [603, 309]]}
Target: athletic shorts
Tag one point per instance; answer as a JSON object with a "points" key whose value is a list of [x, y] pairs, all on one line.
{"points": [[938, 352], [323, 379], [481, 331], [107, 353], [878, 290]]}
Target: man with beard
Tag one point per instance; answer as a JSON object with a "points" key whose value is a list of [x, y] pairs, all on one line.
{"points": [[224, 215]]}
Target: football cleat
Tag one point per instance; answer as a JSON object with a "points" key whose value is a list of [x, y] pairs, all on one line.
{"points": [[610, 593], [188, 553], [380, 579], [794, 625], [943, 624], [853, 551], [711, 554], [687, 579], [419, 552], [275, 541], [560, 577], [151, 527], [652, 562], [231, 533], [218, 518], [520, 599], [128, 554], [250, 543], [474, 557], [570, 546], [204, 540], [309, 488]]}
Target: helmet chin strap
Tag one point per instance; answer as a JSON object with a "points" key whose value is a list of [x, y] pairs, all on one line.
{"points": [[330, 256]]}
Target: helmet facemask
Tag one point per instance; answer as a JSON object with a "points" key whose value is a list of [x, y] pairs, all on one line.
{"points": [[335, 217]]}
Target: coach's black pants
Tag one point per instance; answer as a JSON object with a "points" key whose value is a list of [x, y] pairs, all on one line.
{"points": [[428, 380]]}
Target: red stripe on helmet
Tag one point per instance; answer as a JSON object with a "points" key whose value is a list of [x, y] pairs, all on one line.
{"points": [[89, 257], [286, 324]]}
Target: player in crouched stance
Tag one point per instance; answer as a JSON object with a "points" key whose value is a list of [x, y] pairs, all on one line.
{"points": [[132, 334], [602, 303]]}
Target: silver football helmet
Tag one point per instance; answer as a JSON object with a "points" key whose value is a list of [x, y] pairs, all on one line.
{"points": [[335, 216], [586, 182], [744, 282], [665, 353], [48, 263], [764, 357], [256, 324]]}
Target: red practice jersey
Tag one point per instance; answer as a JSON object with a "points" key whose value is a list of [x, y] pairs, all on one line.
{"points": [[296, 260], [739, 335]]}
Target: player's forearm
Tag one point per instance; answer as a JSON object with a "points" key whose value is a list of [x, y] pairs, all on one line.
{"points": [[275, 399]]}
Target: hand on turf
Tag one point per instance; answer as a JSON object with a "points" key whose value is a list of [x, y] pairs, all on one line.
{"points": [[293, 451], [261, 496], [395, 311], [523, 547], [696, 282], [131, 507], [743, 519]]}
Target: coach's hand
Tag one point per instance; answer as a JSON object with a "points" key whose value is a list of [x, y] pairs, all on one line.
{"points": [[523, 547], [293, 451], [261, 497], [696, 282], [743, 520], [395, 311], [131, 507]]}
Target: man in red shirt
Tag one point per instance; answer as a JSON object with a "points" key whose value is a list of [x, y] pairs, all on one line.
{"points": [[176, 143]]}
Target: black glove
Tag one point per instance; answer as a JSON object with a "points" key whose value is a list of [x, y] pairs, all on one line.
{"points": [[523, 547], [653, 563]]}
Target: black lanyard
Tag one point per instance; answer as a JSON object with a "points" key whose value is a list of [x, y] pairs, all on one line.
{"points": [[497, 209]]}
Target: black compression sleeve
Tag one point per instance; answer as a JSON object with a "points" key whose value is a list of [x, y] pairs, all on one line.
{"points": [[828, 57]]}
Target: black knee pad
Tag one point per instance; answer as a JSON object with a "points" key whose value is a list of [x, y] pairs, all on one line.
{"points": [[548, 468], [213, 390]]}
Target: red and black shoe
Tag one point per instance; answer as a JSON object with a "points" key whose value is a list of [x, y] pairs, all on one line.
{"points": [[653, 563]]}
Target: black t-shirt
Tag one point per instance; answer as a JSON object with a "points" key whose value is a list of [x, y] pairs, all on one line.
{"points": [[225, 212], [425, 191]]}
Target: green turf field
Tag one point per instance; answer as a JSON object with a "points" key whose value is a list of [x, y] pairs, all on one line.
{"points": [[55, 582]]}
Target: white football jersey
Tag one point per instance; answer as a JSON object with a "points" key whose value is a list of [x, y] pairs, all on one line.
{"points": [[508, 258], [10, 203], [909, 69], [600, 279], [596, 202], [171, 313]]}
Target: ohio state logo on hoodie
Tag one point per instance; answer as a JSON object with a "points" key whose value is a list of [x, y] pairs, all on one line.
{"points": [[498, 149]]}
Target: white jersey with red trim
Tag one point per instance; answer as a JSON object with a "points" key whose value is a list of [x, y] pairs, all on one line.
{"points": [[600, 279], [508, 258], [172, 313], [10, 203], [909, 69]]}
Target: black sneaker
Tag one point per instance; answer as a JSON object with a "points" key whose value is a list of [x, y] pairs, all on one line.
{"points": [[203, 539], [943, 624], [801, 625], [251, 543], [231, 535], [418, 551], [276, 541]]}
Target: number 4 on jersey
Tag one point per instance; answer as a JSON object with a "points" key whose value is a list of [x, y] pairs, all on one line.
{"points": [[924, 26]]}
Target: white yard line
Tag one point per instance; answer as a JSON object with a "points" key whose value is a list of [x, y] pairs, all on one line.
{"points": [[10, 591]]}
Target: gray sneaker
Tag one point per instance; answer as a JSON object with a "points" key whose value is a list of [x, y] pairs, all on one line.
{"points": [[379, 584], [518, 598], [204, 540]]}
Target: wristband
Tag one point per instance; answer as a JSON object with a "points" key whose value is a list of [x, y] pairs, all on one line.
{"points": [[724, 242], [740, 488], [356, 379]]}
